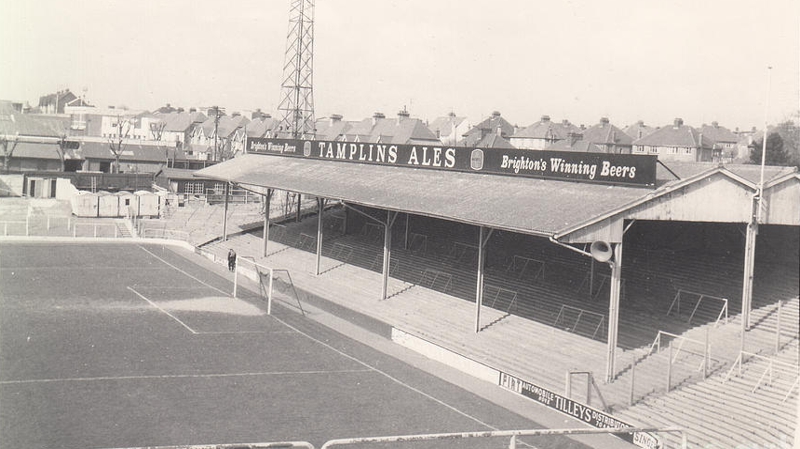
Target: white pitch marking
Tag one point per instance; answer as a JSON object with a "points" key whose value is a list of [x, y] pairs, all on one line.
{"points": [[180, 376], [187, 274], [167, 313]]}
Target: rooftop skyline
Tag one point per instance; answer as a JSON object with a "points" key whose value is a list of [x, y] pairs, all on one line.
{"points": [[578, 60]]}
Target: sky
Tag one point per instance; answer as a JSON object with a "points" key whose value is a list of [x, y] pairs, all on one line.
{"points": [[580, 60]]}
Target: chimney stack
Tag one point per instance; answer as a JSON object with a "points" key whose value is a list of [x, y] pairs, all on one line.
{"points": [[545, 118], [678, 122]]}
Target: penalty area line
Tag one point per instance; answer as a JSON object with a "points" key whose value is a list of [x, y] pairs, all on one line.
{"points": [[162, 310]]}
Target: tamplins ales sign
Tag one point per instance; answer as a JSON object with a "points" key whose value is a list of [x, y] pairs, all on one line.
{"points": [[624, 169]]}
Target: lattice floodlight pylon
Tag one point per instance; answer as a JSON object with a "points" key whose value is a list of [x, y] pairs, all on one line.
{"points": [[297, 90]]}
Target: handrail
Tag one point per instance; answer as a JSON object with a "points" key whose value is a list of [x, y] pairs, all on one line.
{"points": [[701, 296], [580, 315], [706, 354], [772, 364], [539, 272]]}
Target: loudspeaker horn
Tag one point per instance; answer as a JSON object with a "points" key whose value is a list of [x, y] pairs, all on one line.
{"points": [[601, 251]]}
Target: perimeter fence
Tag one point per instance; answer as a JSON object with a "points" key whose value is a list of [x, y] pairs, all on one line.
{"points": [[469, 440]]}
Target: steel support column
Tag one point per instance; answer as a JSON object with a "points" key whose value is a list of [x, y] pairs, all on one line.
{"points": [[320, 208], [299, 200], [483, 237], [747, 281], [387, 251], [225, 213], [613, 310]]}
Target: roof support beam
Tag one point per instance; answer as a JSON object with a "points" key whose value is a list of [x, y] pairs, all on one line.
{"points": [[483, 238]]}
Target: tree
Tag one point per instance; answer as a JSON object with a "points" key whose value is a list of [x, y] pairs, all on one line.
{"points": [[789, 131], [776, 153], [7, 154], [118, 145], [157, 129], [61, 148]]}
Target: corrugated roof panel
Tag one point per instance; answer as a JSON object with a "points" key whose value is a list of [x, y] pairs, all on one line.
{"points": [[503, 202]]}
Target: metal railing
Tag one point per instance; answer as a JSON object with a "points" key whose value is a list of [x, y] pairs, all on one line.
{"points": [[590, 384], [506, 294], [581, 313], [430, 277], [769, 372], [95, 228], [640, 434], [676, 305], [519, 265], [705, 355]]}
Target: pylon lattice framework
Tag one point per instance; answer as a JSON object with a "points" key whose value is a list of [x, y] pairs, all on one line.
{"points": [[297, 90]]}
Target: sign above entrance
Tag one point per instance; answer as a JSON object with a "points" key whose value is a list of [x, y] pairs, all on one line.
{"points": [[623, 169]]}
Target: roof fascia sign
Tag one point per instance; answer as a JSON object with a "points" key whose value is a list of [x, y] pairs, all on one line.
{"points": [[618, 169]]}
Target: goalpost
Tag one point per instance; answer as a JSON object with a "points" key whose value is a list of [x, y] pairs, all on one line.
{"points": [[273, 283]]}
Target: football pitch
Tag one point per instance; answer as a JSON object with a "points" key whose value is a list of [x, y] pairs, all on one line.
{"points": [[127, 345]]}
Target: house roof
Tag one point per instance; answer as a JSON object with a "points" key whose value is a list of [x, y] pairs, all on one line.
{"points": [[607, 134], [490, 125], [180, 121], [719, 133], [400, 130], [493, 140], [676, 135], [580, 146], [332, 128], [547, 129], [12, 123], [39, 151], [259, 127], [445, 125], [638, 130]]}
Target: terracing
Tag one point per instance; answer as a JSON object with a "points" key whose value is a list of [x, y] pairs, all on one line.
{"points": [[540, 314]]}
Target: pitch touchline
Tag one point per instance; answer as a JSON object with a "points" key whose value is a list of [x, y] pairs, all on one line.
{"points": [[182, 376], [167, 313]]}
